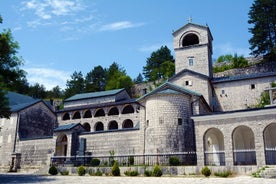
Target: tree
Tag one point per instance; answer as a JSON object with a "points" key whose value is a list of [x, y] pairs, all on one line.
{"points": [[95, 80], [56, 92], [117, 78], [262, 15], [153, 69], [10, 74], [37, 91], [75, 85], [139, 79]]}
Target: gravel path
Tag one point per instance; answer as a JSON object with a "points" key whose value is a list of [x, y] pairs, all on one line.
{"points": [[21, 178]]}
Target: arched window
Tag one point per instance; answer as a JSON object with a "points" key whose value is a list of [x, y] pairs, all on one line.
{"points": [[270, 144], [113, 111], [99, 113], [244, 146], [99, 126], [76, 115], [190, 39], [112, 125], [87, 114], [66, 116], [87, 127], [127, 124], [128, 109], [214, 147]]}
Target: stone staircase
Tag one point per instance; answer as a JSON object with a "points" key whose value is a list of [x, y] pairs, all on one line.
{"points": [[269, 173]]}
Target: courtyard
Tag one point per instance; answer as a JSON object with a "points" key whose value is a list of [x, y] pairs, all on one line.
{"points": [[28, 178]]}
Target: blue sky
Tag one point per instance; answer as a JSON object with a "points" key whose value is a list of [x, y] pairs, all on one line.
{"points": [[58, 37]]}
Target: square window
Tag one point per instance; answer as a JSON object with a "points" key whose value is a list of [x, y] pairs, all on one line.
{"points": [[191, 61], [179, 120], [252, 86]]}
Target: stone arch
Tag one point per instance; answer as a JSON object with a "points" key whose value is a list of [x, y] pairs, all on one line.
{"points": [[214, 147], [61, 145], [113, 125], [113, 111], [244, 146], [128, 109], [99, 113], [99, 126], [87, 114], [66, 116], [128, 123], [190, 39], [87, 127], [270, 144], [76, 115]]}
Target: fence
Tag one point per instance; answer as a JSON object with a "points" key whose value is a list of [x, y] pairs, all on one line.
{"points": [[270, 156], [245, 157], [214, 158], [185, 158]]}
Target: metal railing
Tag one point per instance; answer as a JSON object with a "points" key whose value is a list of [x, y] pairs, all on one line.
{"points": [[270, 156], [245, 157], [185, 158], [214, 158]]}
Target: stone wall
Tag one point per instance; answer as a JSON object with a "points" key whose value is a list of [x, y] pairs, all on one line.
{"points": [[121, 142], [226, 123], [36, 152], [257, 68], [167, 123]]}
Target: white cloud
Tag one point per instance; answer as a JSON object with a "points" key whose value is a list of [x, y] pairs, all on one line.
{"points": [[228, 48], [47, 76], [47, 9], [120, 25]]}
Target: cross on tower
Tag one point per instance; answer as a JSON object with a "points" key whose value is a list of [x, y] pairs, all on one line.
{"points": [[189, 19]]}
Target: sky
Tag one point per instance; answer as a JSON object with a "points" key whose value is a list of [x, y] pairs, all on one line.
{"points": [[58, 37]]}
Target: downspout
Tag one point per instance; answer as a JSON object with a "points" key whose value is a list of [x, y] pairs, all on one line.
{"points": [[15, 134]]}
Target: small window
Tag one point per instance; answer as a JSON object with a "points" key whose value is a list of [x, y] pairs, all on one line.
{"points": [[188, 83], [179, 120], [161, 120], [222, 92], [252, 86], [191, 61]]}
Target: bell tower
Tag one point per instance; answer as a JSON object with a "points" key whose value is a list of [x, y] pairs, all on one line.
{"points": [[193, 49]]}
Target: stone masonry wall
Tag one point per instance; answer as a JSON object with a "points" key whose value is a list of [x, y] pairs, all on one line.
{"points": [[167, 118], [257, 121]]}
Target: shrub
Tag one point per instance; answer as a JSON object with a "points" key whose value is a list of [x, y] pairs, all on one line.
{"points": [[174, 161], [97, 173], [148, 173], [53, 170], [95, 162], [224, 174], [206, 171], [64, 172], [131, 173], [81, 170], [157, 171], [115, 169]]}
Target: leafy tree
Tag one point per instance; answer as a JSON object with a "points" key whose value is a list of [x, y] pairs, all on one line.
{"points": [[153, 69], [117, 78], [56, 92], [95, 80], [10, 74], [262, 15], [225, 58], [37, 91], [75, 86]]}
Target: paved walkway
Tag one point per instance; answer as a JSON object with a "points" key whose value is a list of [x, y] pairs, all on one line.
{"points": [[20, 178]]}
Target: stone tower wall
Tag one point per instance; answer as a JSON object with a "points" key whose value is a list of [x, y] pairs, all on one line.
{"points": [[163, 132]]}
